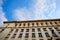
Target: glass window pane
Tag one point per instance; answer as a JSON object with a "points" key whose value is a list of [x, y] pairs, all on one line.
{"points": [[40, 34], [27, 30], [20, 36], [38, 29], [44, 29], [33, 30], [16, 30], [14, 36], [33, 35], [47, 35], [22, 30], [26, 35]]}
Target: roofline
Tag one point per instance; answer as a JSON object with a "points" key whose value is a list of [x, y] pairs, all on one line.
{"points": [[31, 21]]}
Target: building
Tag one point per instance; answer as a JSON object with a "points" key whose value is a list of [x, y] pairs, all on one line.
{"points": [[31, 30]]}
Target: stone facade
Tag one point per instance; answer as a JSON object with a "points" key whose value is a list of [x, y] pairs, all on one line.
{"points": [[31, 30]]}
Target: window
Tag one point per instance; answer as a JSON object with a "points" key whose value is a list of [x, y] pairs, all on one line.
{"points": [[22, 30], [20, 36], [16, 30], [28, 24], [57, 29], [26, 35], [27, 30], [33, 35], [40, 34], [41, 23], [7, 36], [59, 32], [1, 30], [33, 30], [24, 24], [50, 29], [37, 24], [50, 22], [32, 24], [14, 36], [38, 29], [19, 24], [44, 29], [54, 34], [46, 23], [11, 31], [47, 35], [15, 25], [55, 22]]}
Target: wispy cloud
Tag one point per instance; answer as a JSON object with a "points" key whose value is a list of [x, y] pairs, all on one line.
{"points": [[40, 9], [2, 15]]}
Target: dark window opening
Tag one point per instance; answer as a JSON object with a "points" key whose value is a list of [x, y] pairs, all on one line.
{"points": [[11, 31], [19, 24], [14, 36], [26, 35], [44, 29], [54, 34], [32, 24], [20, 36], [50, 29], [24, 24], [41, 23], [37, 24], [38, 29], [33, 30], [40, 34], [1, 30], [16, 30], [22, 30], [47, 35], [8, 36], [27, 30], [33, 35], [15, 25], [55, 22], [28, 24]]}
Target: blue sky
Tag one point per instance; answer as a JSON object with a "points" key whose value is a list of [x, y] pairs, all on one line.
{"points": [[29, 10]]}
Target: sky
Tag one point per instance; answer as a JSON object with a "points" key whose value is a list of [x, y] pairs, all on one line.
{"points": [[17, 10]]}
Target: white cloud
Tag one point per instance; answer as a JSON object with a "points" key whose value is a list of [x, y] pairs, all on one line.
{"points": [[2, 15], [40, 9], [43, 8]]}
